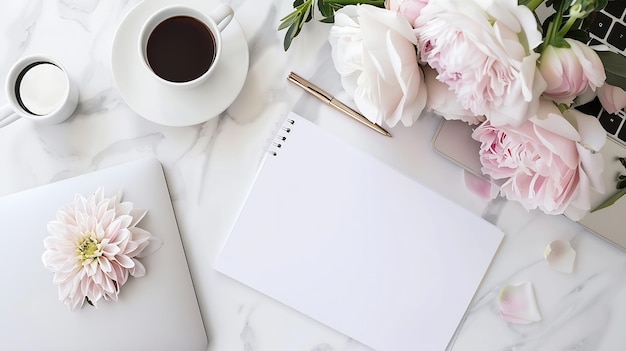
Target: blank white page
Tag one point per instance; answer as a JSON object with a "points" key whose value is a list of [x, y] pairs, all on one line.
{"points": [[343, 238]]}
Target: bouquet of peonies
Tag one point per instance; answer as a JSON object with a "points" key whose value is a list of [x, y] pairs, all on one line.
{"points": [[493, 63]]}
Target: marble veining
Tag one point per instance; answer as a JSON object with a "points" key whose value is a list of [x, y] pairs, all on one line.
{"points": [[211, 166]]}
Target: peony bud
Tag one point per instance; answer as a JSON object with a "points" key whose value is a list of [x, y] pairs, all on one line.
{"points": [[569, 71], [410, 9]]}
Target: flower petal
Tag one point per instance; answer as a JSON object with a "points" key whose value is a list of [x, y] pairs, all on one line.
{"points": [[105, 264], [123, 208], [154, 244], [125, 261], [478, 185], [518, 305], [110, 250], [139, 270], [592, 134], [560, 256], [137, 215]]}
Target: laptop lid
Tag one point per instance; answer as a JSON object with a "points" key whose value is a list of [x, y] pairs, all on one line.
{"points": [[158, 311], [453, 140]]}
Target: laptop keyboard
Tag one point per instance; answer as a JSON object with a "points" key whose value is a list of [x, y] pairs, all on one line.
{"points": [[608, 28]]}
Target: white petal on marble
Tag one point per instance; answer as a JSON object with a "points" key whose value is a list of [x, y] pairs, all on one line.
{"points": [[518, 305], [560, 256]]}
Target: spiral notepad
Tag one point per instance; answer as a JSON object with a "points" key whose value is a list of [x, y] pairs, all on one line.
{"points": [[341, 237]]}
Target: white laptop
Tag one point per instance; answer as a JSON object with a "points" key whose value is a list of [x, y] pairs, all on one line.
{"points": [[158, 311]]}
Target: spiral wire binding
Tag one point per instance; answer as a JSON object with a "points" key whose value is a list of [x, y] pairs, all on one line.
{"points": [[281, 137]]}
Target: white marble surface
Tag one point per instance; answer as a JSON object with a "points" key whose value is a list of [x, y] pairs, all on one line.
{"points": [[210, 167]]}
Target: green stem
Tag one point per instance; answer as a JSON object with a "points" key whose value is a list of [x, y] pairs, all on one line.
{"points": [[567, 26], [533, 4], [549, 34], [553, 27], [611, 200]]}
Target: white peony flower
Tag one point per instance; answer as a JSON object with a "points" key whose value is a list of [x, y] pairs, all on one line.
{"points": [[373, 50], [93, 247]]}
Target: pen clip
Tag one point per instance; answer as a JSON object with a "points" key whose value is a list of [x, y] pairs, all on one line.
{"points": [[310, 87]]}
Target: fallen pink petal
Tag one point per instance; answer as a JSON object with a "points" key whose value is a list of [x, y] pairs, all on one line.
{"points": [[478, 185], [518, 305], [560, 256]]}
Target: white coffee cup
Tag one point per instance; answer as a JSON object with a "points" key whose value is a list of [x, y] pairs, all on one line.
{"points": [[182, 45], [38, 89]]}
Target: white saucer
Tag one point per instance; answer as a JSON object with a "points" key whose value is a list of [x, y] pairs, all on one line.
{"points": [[167, 105]]}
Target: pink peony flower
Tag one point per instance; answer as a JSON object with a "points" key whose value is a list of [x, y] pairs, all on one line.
{"points": [[442, 100], [93, 247], [485, 54], [410, 9], [373, 50], [546, 162], [569, 71], [612, 98]]}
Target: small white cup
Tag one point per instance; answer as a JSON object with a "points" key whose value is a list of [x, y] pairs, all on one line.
{"points": [[64, 94], [213, 22]]}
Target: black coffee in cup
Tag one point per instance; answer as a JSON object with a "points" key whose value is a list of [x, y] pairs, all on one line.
{"points": [[180, 49]]}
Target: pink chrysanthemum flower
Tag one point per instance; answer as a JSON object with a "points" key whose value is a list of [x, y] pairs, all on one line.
{"points": [[93, 247]]}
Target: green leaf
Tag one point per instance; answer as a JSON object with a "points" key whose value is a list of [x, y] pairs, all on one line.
{"points": [[577, 34], [295, 20], [610, 201], [288, 21], [600, 4], [308, 14], [291, 17], [330, 19], [303, 12], [291, 33], [615, 68], [325, 9], [554, 3], [284, 25]]}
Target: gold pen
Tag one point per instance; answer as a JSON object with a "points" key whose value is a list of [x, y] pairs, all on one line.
{"points": [[329, 99]]}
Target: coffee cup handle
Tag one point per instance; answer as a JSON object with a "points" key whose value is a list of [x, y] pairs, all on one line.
{"points": [[7, 116], [222, 16]]}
